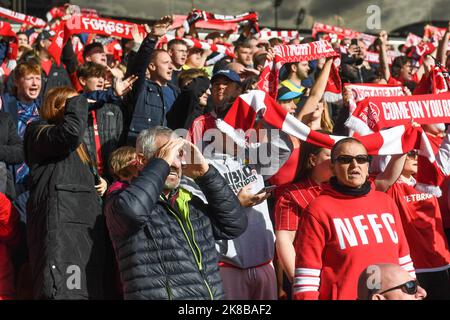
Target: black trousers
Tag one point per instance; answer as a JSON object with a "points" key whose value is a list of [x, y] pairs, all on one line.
{"points": [[436, 284]]}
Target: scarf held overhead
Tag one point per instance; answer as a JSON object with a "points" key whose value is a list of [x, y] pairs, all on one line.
{"points": [[23, 18], [268, 79], [242, 114], [199, 15], [377, 113], [89, 24]]}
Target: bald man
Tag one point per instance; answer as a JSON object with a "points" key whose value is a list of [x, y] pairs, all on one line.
{"points": [[388, 282]]}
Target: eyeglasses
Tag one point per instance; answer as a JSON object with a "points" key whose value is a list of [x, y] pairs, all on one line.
{"points": [[347, 159], [409, 287], [413, 153]]}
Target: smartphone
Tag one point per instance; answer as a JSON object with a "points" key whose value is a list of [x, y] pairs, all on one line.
{"points": [[267, 189]]}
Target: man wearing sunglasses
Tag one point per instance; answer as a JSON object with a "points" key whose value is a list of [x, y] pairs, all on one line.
{"points": [[347, 227], [388, 282]]}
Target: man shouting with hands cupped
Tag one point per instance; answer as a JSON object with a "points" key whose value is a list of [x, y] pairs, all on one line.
{"points": [[163, 236]]}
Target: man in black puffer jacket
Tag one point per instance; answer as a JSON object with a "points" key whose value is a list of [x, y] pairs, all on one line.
{"points": [[163, 236]]}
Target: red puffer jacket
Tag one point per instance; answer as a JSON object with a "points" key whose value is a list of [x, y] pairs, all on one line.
{"points": [[9, 231]]}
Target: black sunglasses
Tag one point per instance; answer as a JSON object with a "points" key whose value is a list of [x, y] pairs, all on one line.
{"points": [[413, 153], [347, 159], [409, 287]]}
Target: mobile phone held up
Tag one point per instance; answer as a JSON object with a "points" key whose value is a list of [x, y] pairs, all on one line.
{"points": [[267, 189]]}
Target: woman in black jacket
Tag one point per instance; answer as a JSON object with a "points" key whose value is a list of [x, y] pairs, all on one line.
{"points": [[65, 227]]}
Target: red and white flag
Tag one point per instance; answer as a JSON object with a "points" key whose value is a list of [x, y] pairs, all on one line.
{"points": [[242, 115]]}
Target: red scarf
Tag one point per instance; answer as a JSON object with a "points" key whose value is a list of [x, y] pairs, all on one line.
{"points": [[88, 24], [340, 32], [360, 91], [412, 40], [199, 15], [374, 57], [377, 113], [434, 33], [23, 18], [268, 79]]}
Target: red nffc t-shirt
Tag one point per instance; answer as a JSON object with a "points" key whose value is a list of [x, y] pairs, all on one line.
{"points": [[422, 223], [293, 200], [339, 236]]}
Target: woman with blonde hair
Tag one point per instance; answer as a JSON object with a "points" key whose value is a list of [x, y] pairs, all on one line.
{"points": [[65, 227]]}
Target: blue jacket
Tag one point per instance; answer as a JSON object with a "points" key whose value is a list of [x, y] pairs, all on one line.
{"points": [[164, 252], [147, 97]]}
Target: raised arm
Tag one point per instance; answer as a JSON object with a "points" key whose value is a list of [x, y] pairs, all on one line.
{"points": [[317, 90], [443, 155], [387, 178], [57, 140], [442, 47], [223, 208], [384, 63]]}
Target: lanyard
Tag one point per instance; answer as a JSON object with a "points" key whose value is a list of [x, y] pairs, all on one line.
{"points": [[98, 145]]}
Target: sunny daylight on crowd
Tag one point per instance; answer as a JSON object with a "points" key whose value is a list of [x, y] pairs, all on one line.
{"points": [[244, 154]]}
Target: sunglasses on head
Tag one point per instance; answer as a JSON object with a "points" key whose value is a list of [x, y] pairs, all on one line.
{"points": [[413, 153], [347, 159], [409, 287]]}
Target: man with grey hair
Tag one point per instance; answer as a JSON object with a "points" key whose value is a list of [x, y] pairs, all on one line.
{"points": [[163, 236], [386, 281]]}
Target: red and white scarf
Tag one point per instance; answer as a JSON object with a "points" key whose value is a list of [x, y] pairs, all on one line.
{"points": [[267, 34], [23, 18], [205, 45], [419, 52], [434, 33], [361, 91], [268, 80], [107, 27], [374, 57], [199, 15], [412, 40], [242, 114], [376, 113], [342, 33], [88, 24]]}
